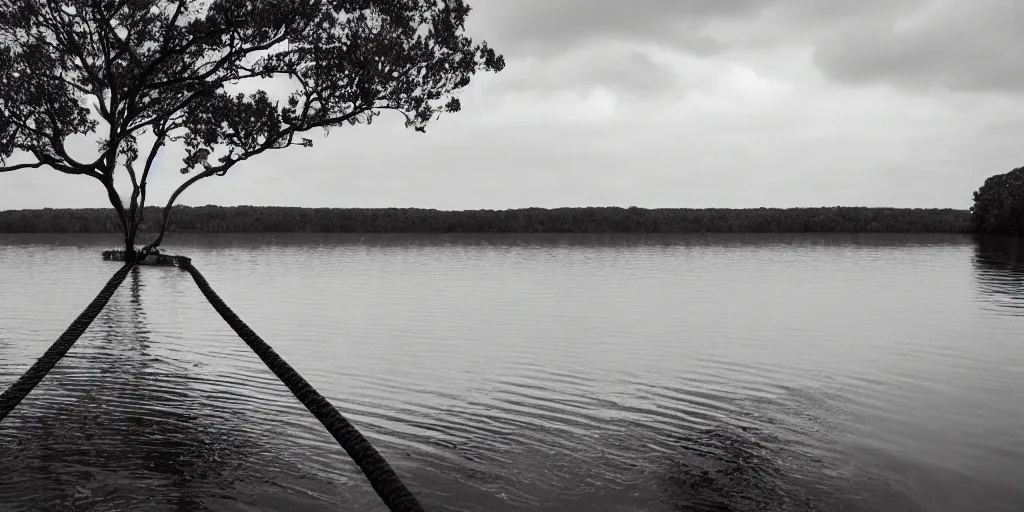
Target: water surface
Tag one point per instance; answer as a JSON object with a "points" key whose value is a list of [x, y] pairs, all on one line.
{"points": [[539, 372]]}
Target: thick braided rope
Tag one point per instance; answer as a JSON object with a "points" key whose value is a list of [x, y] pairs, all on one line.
{"points": [[384, 480], [20, 389]]}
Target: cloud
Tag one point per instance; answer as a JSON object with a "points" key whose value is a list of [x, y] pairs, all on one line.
{"points": [[912, 44], [632, 71], [538, 26], [951, 44], [700, 27], [624, 70]]}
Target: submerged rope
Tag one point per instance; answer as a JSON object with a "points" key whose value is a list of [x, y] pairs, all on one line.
{"points": [[20, 389], [384, 480]]}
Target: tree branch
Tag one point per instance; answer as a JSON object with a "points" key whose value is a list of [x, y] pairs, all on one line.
{"points": [[219, 64], [140, 192], [167, 209], [63, 167], [22, 166]]}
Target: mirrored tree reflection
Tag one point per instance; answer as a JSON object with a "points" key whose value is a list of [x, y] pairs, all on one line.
{"points": [[999, 270], [117, 424]]}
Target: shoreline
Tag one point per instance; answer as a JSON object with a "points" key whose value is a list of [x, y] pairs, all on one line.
{"points": [[592, 220]]}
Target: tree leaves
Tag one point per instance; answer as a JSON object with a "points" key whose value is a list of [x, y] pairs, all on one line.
{"points": [[140, 62], [999, 204]]}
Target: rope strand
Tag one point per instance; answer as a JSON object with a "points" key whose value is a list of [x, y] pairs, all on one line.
{"points": [[384, 480], [20, 389]]}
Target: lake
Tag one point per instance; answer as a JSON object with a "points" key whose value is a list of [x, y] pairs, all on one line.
{"points": [[526, 372]]}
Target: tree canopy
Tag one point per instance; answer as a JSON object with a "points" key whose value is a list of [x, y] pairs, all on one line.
{"points": [[138, 75], [999, 204]]}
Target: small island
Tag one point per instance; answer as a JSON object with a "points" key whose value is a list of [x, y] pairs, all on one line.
{"points": [[154, 258]]}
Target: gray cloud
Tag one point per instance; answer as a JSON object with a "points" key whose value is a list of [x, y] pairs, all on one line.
{"points": [[964, 46], [634, 72], [539, 26], [628, 74], [543, 26], [955, 44]]}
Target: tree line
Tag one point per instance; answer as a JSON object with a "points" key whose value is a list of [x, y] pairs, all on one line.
{"points": [[273, 219]]}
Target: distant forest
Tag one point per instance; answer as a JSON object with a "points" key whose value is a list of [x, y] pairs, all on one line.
{"points": [[273, 219]]}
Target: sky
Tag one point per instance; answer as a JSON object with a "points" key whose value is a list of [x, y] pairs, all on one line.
{"points": [[668, 104]]}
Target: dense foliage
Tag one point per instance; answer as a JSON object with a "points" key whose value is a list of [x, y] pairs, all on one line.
{"points": [[139, 75], [999, 204], [532, 220]]}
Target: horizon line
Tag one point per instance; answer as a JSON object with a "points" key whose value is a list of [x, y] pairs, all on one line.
{"points": [[505, 209]]}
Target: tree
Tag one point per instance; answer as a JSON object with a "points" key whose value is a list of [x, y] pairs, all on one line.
{"points": [[999, 204], [139, 75]]}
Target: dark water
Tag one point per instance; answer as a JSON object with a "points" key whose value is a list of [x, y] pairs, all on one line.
{"points": [[623, 373]]}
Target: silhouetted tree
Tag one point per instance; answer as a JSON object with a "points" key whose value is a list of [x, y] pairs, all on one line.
{"points": [[124, 70], [999, 204]]}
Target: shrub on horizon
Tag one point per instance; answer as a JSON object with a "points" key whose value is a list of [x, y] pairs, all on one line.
{"points": [[999, 204]]}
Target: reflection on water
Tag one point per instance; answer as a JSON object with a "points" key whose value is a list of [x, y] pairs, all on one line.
{"points": [[527, 372], [999, 268], [118, 403], [119, 425]]}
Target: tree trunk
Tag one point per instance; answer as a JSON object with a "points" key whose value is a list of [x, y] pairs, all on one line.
{"points": [[128, 227], [129, 243], [166, 214]]}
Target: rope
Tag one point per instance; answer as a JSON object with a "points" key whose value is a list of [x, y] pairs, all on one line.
{"points": [[384, 480], [20, 389]]}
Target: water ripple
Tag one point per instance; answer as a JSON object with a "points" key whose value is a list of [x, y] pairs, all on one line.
{"points": [[706, 372]]}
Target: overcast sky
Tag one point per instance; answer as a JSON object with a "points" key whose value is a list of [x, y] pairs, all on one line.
{"points": [[669, 103]]}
